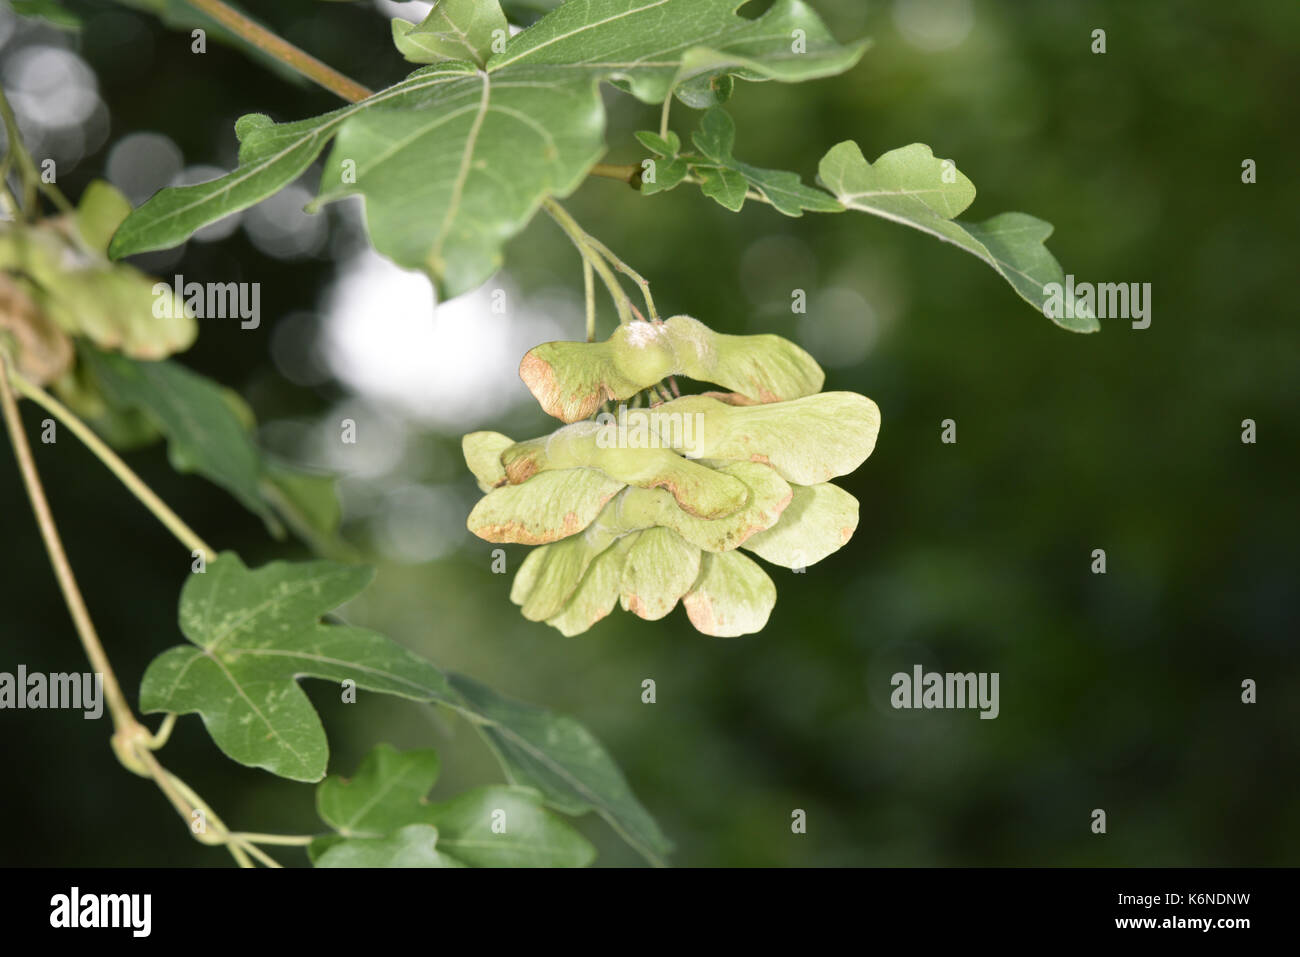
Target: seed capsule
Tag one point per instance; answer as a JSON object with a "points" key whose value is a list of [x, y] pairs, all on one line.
{"points": [[649, 508]]}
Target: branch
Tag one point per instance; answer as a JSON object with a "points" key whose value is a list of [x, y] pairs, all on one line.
{"points": [[284, 51], [132, 742], [124, 722]]}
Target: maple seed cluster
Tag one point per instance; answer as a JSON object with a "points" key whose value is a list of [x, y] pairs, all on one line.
{"points": [[649, 506], [56, 283]]}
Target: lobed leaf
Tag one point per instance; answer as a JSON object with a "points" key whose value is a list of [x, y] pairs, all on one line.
{"points": [[455, 159], [254, 633], [484, 827], [787, 193], [387, 792], [415, 845], [670, 168], [911, 186], [453, 30], [271, 156]]}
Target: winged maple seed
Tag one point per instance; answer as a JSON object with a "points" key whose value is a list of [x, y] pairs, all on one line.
{"points": [[60, 266], [41, 350], [572, 379], [648, 507]]}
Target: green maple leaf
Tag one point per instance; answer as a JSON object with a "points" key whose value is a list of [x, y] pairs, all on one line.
{"points": [[454, 160], [382, 817], [670, 169], [254, 632], [559, 757], [727, 179], [453, 30], [911, 186]]}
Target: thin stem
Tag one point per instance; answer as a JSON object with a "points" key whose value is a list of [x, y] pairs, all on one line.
{"points": [[286, 840], [132, 742], [588, 244], [628, 173], [621, 301], [27, 170], [124, 722], [628, 271], [16, 151], [258, 853], [282, 50], [186, 535], [186, 802], [581, 241], [663, 116], [11, 204], [164, 732], [183, 799], [589, 288], [241, 858]]}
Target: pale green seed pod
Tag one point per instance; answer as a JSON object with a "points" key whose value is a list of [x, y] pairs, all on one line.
{"points": [[698, 490], [482, 452], [572, 379], [732, 596], [647, 508], [552, 506], [819, 520], [808, 440]]}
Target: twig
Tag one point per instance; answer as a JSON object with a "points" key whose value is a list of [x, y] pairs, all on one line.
{"points": [[629, 173], [581, 241], [124, 722], [282, 50], [27, 171], [589, 290], [132, 742]]}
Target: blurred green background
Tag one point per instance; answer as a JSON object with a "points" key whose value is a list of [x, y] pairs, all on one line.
{"points": [[1118, 691]]}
